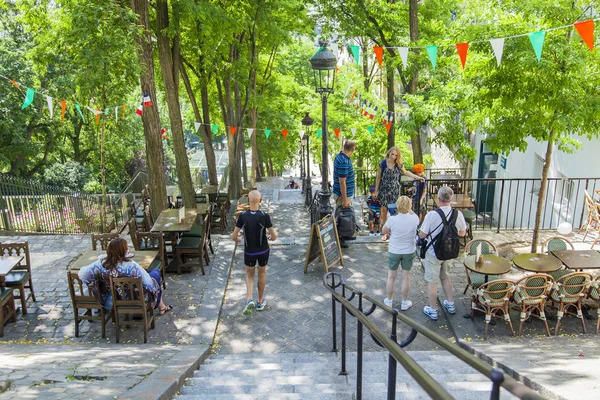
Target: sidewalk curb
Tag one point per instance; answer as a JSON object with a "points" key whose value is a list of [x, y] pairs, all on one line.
{"points": [[514, 374], [165, 381]]}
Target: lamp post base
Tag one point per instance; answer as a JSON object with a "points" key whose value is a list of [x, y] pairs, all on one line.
{"points": [[324, 204], [308, 192]]}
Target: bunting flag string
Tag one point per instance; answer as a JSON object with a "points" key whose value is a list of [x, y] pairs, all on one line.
{"points": [[249, 130], [50, 106], [584, 28]]}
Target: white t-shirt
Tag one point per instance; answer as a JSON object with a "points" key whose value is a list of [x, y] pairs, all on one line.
{"points": [[433, 222], [404, 229]]}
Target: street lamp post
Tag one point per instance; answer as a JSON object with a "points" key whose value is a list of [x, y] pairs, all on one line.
{"points": [[301, 153], [324, 65], [307, 122]]}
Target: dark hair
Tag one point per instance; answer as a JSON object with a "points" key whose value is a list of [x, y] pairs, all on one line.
{"points": [[115, 253]]}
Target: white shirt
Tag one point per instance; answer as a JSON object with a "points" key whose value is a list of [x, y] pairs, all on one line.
{"points": [[433, 222], [404, 229]]}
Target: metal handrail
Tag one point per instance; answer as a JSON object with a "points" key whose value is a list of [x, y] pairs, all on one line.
{"points": [[396, 352]]}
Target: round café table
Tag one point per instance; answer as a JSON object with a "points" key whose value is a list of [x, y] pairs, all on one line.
{"points": [[490, 265], [537, 262]]}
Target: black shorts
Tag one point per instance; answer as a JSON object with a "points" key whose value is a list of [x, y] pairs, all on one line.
{"points": [[251, 259]]}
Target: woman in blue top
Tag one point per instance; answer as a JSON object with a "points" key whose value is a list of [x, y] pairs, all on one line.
{"points": [[116, 264], [387, 187]]}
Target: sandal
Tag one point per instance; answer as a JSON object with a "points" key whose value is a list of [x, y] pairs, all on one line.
{"points": [[165, 310]]}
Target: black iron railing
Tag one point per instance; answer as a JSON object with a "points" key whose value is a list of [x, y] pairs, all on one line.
{"points": [[334, 281], [314, 207]]}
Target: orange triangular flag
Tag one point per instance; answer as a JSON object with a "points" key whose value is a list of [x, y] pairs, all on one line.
{"points": [[462, 48], [124, 109], [15, 84], [388, 126], [63, 106], [337, 132], [379, 54], [97, 118], [232, 129], [284, 132], [586, 31]]}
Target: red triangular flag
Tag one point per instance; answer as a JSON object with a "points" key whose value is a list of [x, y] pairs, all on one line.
{"points": [[63, 106], [284, 132], [15, 84], [337, 133], [97, 118], [388, 126], [462, 48], [354, 94], [586, 31], [379, 54], [232, 129], [140, 110]]}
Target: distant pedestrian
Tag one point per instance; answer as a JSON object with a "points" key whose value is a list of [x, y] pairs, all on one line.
{"points": [[343, 181], [420, 191], [402, 227], [255, 224], [431, 229], [387, 186]]}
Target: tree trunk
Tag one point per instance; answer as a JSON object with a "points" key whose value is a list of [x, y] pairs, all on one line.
{"points": [[205, 133], [391, 140], [542, 193], [170, 67], [255, 172], [151, 119], [209, 152]]}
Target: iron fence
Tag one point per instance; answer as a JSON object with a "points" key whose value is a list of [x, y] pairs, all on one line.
{"points": [[509, 204], [30, 206]]}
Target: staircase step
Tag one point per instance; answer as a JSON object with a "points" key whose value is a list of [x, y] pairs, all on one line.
{"points": [[266, 387]]}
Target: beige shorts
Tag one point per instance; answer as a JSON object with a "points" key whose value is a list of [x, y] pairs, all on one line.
{"points": [[338, 200], [435, 268]]}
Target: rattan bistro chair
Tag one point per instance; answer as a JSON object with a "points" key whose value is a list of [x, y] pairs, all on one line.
{"points": [[557, 243], [492, 298], [475, 279], [530, 295], [20, 276], [593, 217], [594, 294], [569, 292]]}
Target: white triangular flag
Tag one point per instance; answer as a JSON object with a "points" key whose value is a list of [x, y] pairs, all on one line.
{"points": [[301, 134], [250, 130], [49, 100], [403, 55], [353, 131], [498, 47], [197, 126], [117, 113]]}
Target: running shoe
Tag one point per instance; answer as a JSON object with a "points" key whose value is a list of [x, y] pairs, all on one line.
{"points": [[260, 305], [406, 304], [388, 302], [249, 307], [431, 313], [449, 307]]}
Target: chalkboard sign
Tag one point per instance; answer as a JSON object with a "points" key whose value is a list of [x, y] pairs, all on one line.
{"points": [[324, 243]]}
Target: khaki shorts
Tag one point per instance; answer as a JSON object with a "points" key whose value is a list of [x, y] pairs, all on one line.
{"points": [[435, 268], [338, 200]]}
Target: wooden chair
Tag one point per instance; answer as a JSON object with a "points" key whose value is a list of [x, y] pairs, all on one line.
{"points": [[594, 295], [81, 301], [491, 298], [219, 219], [133, 233], [103, 239], [128, 300], [223, 199], [557, 243], [154, 241], [20, 277], [530, 295], [148, 220], [593, 217], [7, 308], [569, 292], [193, 247], [475, 279]]}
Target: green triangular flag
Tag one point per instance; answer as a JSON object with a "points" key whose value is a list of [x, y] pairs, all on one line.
{"points": [[80, 113], [107, 110], [370, 128], [537, 41], [432, 52], [355, 52], [319, 133], [267, 133], [214, 128], [318, 51], [28, 98]]}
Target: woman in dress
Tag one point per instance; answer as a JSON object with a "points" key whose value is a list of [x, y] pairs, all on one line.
{"points": [[116, 264], [387, 187]]}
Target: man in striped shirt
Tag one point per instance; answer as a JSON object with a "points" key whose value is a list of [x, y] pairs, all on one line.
{"points": [[343, 181]]}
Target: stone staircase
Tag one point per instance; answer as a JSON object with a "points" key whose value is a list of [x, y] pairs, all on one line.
{"points": [[312, 376]]}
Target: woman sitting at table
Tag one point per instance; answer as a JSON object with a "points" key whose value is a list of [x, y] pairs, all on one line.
{"points": [[117, 265]]}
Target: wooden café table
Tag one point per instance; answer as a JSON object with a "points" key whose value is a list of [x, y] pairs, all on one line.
{"points": [[458, 201], [537, 262], [578, 259], [143, 257], [7, 263]]}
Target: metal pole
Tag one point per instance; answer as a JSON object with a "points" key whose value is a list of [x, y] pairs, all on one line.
{"points": [[308, 178], [325, 207], [334, 319], [343, 371], [359, 351], [497, 377], [392, 363]]}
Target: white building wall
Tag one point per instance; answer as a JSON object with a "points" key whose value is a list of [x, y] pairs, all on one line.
{"points": [[564, 200]]}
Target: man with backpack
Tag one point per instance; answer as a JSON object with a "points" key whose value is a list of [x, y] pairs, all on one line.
{"points": [[343, 190], [442, 229]]}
